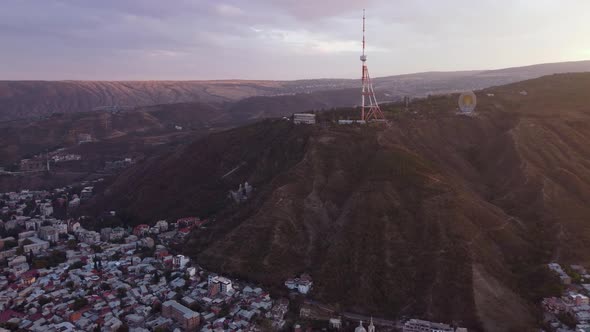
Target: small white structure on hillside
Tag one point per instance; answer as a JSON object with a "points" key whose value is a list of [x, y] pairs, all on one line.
{"points": [[304, 118]]}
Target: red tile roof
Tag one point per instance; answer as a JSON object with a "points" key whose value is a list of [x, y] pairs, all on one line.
{"points": [[7, 315]]}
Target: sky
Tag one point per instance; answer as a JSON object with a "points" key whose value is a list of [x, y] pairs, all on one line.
{"points": [[281, 39]]}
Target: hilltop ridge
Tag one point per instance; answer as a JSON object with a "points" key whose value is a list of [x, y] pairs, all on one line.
{"points": [[39, 99], [439, 216]]}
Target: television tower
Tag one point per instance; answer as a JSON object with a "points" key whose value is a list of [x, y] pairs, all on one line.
{"points": [[370, 108]]}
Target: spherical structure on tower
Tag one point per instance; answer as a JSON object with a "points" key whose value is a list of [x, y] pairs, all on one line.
{"points": [[363, 58]]}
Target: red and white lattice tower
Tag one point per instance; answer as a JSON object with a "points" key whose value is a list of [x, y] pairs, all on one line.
{"points": [[370, 108]]}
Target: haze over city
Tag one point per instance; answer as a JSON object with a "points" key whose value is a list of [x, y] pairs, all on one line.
{"points": [[263, 39], [254, 165]]}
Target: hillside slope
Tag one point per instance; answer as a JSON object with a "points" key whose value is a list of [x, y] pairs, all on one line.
{"points": [[25, 138], [440, 216], [28, 99]]}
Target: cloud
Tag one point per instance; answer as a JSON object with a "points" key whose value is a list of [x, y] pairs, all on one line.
{"points": [[280, 38], [229, 10]]}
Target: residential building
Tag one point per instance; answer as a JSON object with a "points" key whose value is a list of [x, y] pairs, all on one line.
{"points": [[105, 234], [17, 261], [86, 193], [88, 237], [36, 246], [74, 203], [162, 225], [187, 318], [304, 118], [49, 233], [46, 209], [302, 285], [335, 323], [225, 284], [219, 284], [118, 233], [418, 325], [579, 299], [32, 165], [180, 261], [140, 230], [26, 235], [19, 269]]}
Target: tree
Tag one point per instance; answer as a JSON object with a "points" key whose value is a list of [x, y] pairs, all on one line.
{"points": [[224, 310], [9, 326], [156, 278], [96, 248], [79, 303], [40, 264], [567, 319], [30, 208], [116, 256], [168, 275], [76, 265], [72, 244], [123, 328], [156, 307], [10, 244], [57, 257], [43, 300], [266, 325], [576, 277], [121, 292]]}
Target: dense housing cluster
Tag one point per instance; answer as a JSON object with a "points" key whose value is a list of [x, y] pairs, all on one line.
{"points": [[571, 311], [59, 276]]}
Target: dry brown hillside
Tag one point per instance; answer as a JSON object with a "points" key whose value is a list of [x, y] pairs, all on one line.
{"points": [[438, 216], [34, 99], [28, 99]]}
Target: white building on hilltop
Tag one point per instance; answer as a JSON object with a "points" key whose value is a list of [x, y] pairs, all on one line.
{"points": [[418, 325], [304, 118]]}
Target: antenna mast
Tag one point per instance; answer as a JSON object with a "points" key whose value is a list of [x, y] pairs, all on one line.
{"points": [[370, 110], [363, 32]]}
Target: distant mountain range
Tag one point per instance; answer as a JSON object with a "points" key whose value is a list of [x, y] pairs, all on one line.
{"points": [[38, 99]]}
